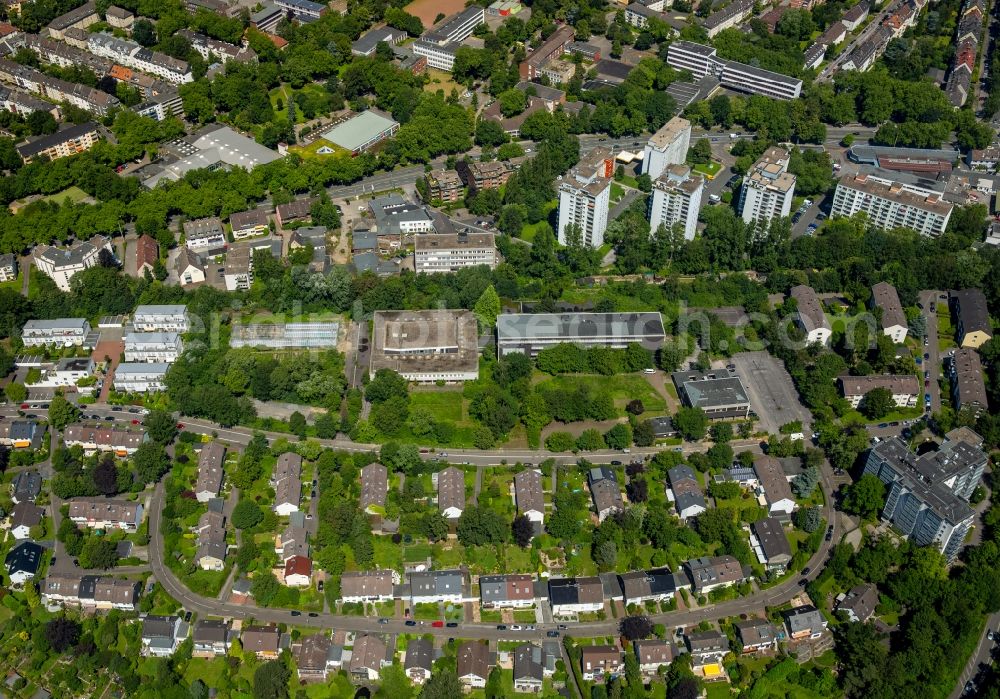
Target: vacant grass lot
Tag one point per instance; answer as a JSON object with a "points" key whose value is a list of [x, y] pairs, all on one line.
{"points": [[623, 388]]}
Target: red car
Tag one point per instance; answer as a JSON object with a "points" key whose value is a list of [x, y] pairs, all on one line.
{"points": [[135, 422], [438, 624], [180, 425], [24, 406]]}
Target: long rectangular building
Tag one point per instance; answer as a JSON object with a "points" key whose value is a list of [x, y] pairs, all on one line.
{"points": [[445, 252], [889, 204], [702, 61], [530, 333], [439, 45], [553, 47], [968, 390]]}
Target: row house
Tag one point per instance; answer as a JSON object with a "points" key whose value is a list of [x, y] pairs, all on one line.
{"points": [[161, 318], [368, 585], [506, 591], [211, 459], [287, 484], [141, 377], [133, 55], [435, 586], [59, 331], [106, 513], [56, 89], [207, 47], [569, 596], [119, 441], [91, 592]]}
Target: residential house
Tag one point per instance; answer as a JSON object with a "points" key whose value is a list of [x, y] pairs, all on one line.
{"points": [[514, 590], [162, 318], [706, 647], [314, 657], [294, 212], [8, 267], [439, 586], [210, 474], [973, 326], [805, 622], [161, 635], [893, 319], [205, 235], [247, 224], [756, 635], [23, 517], [532, 664], [598, 661], [473, 662], [419, 660], [768, 541], [605, 491], [367, 585], [212, 548], [859, 603], [26, 486], [374, 487], [451, 492], [774, 491], [905, 388], [211, 638], [810, 316], [92, 439], [58, 332], [529, 495], [22, 562], [369, 657], [712, 572], [298, 571], [287, 484], [23, 434], [293, 541], [189, 267], [106, 513], [654, 654], [147, 254], [574, 595], [647, 586], [62, 264], [686, 492], [263, 641]]}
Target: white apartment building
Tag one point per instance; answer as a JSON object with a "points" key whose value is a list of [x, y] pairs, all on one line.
{"points": [[140, 377], [891, 204], [153, 347], [702, 61], [439, 45], [204, 234], [585, 196], [161, 318], [60, 331], [668, 146], [132, 55], [66, 373], [444, 252], [61, 264], [905, 388], [676, 198], [768, 188]]}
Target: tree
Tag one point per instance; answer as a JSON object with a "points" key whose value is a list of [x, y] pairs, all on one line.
{"points": [[635, 628], [691, 423], [62, 412], [522, 530], [384, 385], [805, 483], [807, 519], [150, 461], [865, 497], [247, 514], [297, 424], [442, 685], [637, 489], [62, 633], [643, 434], [161, 426], [560, 441], [487, 308], [15, 392], [246, 553], [98, 553], [877, 403], [490, 133], [619, 436], [635, 407], [480, 525], [105, 477], [264, 587], [721, 432], [701, 152], [144, 32], [270, 680]]}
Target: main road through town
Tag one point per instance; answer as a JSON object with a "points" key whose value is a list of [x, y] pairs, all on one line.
{"points": [[749, 604]]}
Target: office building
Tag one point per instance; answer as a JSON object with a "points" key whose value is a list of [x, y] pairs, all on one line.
{"points": [[530, 333], [61, 264], [768, 188], [213, 147], [584, 198], [809, 315], [719, 393], [369, 41], [702, 61], [397, 216], [891, 204], [668, 146], [450, 252], [928, 494], [426, 346], [440, 44], [676, 199], [304, 11]]}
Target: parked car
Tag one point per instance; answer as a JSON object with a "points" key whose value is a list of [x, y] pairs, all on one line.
{"points": [[296, 613], [383, 620], [452, 624], [410, 622], [501, 627], [438, 624], [552, 634], [313, 614]]}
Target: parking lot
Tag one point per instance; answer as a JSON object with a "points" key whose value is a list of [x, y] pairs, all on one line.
{"points": [[772, 394]]}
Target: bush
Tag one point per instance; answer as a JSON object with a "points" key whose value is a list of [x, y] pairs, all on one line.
{"points": [[560, 441]]}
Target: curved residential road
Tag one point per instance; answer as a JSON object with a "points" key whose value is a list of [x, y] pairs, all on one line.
{"points": [[210, 606]]}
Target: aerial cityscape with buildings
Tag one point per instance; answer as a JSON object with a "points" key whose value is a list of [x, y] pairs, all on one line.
{"points": [[625, 349]]}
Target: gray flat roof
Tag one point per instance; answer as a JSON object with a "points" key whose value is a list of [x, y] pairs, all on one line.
{"points": [[358, 130], [571, 326]]}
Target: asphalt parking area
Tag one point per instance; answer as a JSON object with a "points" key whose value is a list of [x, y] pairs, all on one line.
{"points": [[772, 394]]}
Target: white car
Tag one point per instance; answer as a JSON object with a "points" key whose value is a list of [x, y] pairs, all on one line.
{"points": [[649, 371]]}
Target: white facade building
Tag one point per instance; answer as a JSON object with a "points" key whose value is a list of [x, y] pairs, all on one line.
{"points": [[668, 146], [60, 331], [153, 347], [140, 377], [443, 252], [768, 189], [676, 198], [890, 204], [165, 318], [585, 196], [61, 264]]}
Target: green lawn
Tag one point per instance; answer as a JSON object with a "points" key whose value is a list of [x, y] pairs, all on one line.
{"points": [[445, 405], [531, 230], [709, 170], [617, 192], [717, 690], [623, 388]]}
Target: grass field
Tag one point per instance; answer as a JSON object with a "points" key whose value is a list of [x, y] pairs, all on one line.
{"points": [[709, 170], [617, 192], [445, 405], [74, 194], [623, 388], [286, 94], [440, 80]]}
